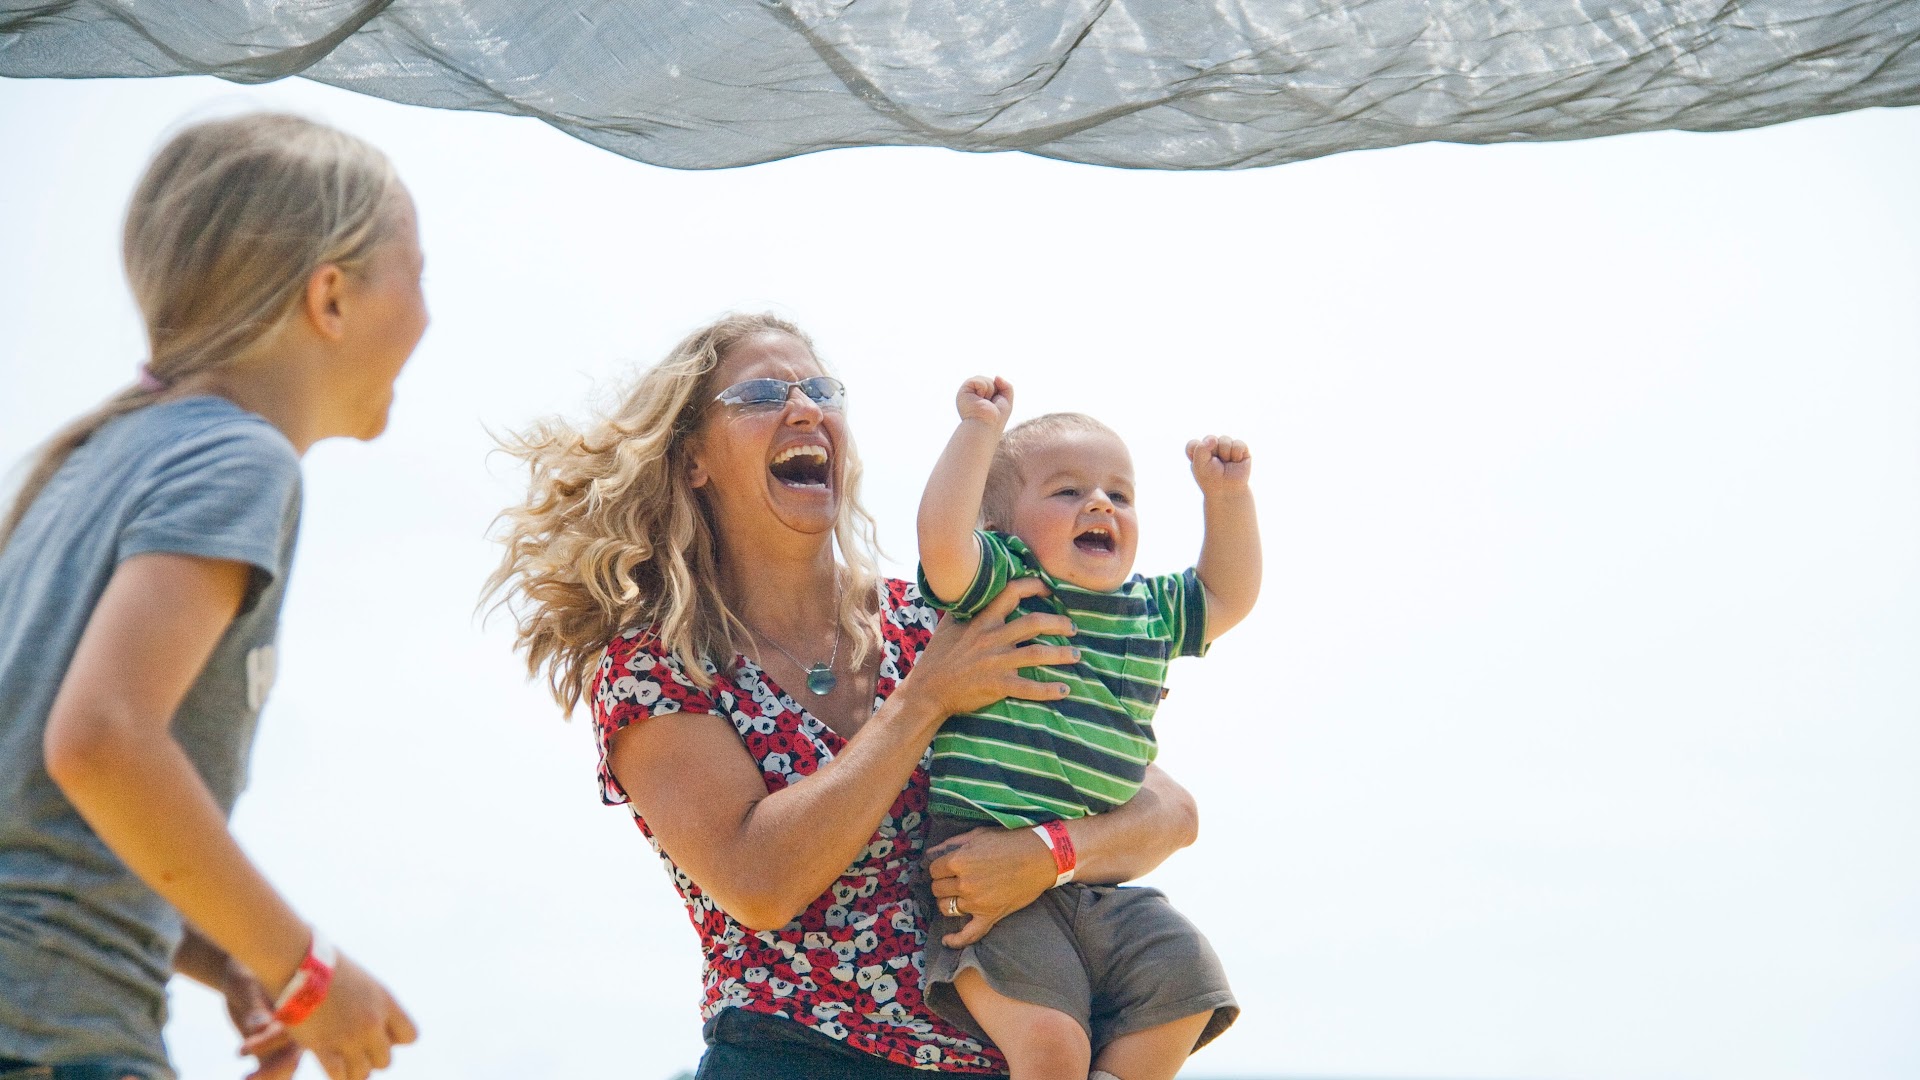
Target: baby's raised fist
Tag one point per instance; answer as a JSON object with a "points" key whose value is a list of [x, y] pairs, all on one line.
{"points": [[989, 401], [1220, 462]]}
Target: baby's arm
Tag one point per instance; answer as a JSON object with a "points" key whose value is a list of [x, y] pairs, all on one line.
{"points": [[1229, 564], [950, 508]]}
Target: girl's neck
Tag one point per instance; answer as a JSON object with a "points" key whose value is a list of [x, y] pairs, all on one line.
{"points": [[284, 391]]}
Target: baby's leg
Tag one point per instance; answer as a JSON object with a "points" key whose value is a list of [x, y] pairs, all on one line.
{"points": [[1154, 1054], [1039, 1043]]}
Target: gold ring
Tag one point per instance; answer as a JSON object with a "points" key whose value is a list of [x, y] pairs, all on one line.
{"points": [[953, 906]]}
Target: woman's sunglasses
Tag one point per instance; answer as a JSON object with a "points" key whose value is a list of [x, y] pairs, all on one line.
{"points": [[766, 394]]}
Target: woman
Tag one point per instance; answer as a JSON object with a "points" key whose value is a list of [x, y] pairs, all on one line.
{"points": [[277, 267], [699, 569]]}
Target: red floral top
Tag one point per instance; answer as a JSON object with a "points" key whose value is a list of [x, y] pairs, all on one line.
{"points": [[849, 966]]}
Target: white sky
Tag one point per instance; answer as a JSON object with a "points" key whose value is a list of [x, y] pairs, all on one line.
{"points": [[1575, 735]]}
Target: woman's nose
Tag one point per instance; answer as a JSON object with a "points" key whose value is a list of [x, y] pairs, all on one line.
{"points": [[803, 409]]}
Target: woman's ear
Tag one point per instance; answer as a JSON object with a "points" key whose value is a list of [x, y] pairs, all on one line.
{"points": [[697, 475]]}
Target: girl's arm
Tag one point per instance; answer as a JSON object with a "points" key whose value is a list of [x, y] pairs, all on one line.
{"points": [[763, 857], [998, 871], [1229, 563], [110, 749], [950, 507]]}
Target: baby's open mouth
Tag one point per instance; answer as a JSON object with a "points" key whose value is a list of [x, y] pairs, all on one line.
{"points": [[802, 466], [1095, 539]]}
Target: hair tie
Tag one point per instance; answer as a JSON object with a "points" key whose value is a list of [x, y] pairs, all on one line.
{"points": [[151, 383]]}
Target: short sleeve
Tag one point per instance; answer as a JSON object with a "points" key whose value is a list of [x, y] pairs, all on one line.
{"points": [[225, 492], [1182, 603], [999, 564], [638, 678]]}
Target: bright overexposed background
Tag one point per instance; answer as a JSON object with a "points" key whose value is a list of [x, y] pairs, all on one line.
{"points": [[1576, 734]]}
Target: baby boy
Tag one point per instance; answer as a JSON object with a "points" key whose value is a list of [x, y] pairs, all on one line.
{"points": [[1088, 975]]}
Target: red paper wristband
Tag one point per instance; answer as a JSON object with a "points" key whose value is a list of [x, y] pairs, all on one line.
{"points": [[1054, 835], [310, 984]]}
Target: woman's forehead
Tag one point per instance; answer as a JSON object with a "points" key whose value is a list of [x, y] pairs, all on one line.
{"points": [[768, 355]]}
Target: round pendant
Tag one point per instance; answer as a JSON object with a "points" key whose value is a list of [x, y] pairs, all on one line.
{"points": [[820, 680]]}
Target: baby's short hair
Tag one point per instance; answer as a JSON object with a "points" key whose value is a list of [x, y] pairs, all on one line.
{"points": [[1004, 476]]}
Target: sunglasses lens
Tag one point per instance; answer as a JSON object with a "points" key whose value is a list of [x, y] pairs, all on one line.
{"points": [[757, 394], [825, 392]]}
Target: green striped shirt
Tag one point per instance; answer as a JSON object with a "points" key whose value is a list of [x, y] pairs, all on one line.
{"points": [[1027, 762]]}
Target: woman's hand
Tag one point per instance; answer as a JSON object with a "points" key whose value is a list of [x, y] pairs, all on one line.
{"points": [[969, 665], [993, 872]]}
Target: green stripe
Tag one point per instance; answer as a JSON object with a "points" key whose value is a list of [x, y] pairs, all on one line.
{"points": [[1117, 726]]}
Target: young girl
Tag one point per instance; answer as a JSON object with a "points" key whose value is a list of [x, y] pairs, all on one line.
{"points": [[276, 265]]}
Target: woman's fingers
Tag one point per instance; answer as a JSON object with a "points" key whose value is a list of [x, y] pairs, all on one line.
{"points": [[1033, 624], [975, 929], [1003, 604]]}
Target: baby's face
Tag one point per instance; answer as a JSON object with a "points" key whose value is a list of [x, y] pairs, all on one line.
{"points": [[1075, 509]]}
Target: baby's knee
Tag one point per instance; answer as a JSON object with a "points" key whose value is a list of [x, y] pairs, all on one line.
{"points": [[1047, 1044]]}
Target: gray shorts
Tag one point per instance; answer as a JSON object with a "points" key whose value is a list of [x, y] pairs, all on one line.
{"points": [[1116, 958]]}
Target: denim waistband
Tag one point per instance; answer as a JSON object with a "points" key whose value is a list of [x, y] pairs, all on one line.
{"points": [[13, 1069]]}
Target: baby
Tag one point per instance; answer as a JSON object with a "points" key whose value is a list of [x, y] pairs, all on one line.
{"points": [[1088, 975]]}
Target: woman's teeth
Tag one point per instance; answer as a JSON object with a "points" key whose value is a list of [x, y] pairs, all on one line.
{"points": [[803, 465]]}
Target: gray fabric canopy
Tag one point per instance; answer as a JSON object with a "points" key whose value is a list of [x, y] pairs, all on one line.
{"points": [[1163, 84]]}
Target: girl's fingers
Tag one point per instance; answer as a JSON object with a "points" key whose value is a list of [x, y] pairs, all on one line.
{"points": [[264, 1039], [334, 1062], [400, 1026]]}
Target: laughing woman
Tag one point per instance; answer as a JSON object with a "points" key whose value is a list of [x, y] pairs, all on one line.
{"points": [[698, 569]]}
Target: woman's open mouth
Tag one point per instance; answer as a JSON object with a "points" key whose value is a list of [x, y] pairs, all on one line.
{"points": [[806, 465], [1096, 541]]}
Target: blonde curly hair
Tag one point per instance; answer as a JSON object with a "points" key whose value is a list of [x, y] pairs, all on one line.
{"points": [[613, 536]]}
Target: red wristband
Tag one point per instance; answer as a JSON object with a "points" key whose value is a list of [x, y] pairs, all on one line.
{"points": [[310, 984], [1054, 835]]}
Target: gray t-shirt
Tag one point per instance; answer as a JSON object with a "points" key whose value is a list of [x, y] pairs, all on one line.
{"points": [[85, 946]]}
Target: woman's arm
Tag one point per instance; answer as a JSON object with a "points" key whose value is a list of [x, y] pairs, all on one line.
{"points": [[763, 857], [998, 871], [110, 748]]}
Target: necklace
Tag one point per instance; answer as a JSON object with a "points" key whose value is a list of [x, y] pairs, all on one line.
{"points": [[820, 677]]}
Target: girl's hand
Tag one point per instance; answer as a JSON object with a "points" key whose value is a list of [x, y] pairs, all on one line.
{"points": [[265, 1039], [994, 872], [989, 401], [1220, 463], [971, 664], [358, 1023]]}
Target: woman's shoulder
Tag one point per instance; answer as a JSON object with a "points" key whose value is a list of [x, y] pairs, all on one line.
{"points": [[640, 672], [902, 604]]}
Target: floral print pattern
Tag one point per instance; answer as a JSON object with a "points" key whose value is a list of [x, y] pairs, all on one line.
{"points": [[849, 966]]}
